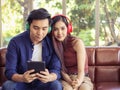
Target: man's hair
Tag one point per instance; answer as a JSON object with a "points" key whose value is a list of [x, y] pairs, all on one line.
{"points": [[38, 14]]}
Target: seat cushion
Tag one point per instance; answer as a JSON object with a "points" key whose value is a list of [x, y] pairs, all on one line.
{"points": [[108, 86]]}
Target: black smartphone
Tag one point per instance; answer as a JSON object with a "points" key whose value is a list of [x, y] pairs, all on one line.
{"points": [[37, 65]]}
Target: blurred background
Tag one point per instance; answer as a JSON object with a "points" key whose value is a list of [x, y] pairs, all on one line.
{"points": [[96, 22]]}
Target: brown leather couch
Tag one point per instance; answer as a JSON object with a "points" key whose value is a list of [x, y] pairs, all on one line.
{"points": [[104, 67], [2, 65]]}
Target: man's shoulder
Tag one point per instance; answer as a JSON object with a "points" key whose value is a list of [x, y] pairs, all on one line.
{"points": [[48, 39], [22, 35], [19, 39]]}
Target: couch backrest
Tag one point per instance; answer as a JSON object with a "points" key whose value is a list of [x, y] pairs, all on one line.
{"points": [[104, 64]]}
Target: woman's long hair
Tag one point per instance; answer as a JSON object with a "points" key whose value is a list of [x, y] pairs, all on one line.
{"points": [[58, 45]]}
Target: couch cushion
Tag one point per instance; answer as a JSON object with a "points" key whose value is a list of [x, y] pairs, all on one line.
{"points": [[91, 56], [107, 74], [2, 65], [108, 86], [107, 57], [2, 56], [2, 75]]}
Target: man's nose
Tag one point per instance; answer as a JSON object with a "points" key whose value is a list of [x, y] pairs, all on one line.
{"points": [[39, 31]]}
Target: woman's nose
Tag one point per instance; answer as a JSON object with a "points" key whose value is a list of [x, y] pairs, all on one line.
{"points": [[59, 31]]}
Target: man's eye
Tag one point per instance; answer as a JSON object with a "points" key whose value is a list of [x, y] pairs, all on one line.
{"points": [[36, 28], [45, 28]]}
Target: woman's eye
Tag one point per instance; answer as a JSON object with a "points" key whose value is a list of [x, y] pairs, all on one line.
{"points": [[63, 28], [55, 29]]}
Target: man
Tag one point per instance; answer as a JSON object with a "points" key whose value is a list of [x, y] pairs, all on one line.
{"points": [[35, 45]]}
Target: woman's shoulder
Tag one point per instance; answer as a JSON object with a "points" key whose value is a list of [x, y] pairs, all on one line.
{"points": [[76, 40], [77, 43]]}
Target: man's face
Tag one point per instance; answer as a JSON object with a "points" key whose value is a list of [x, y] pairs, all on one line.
{"points": [[38, 30]]}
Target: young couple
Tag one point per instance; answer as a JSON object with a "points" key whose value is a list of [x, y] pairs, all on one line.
{"points": [[47, 40]]}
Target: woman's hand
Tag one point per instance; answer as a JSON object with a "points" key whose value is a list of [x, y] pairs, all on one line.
{"points": [[75, 84]]}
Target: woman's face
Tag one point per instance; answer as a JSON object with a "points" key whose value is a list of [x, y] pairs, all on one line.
{"points": [[60, 30]]}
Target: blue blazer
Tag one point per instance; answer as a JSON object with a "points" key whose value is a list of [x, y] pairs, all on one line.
{"points": [[20, 50]]}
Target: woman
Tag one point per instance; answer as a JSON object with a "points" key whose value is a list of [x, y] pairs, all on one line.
{"points": [[72, 54]]}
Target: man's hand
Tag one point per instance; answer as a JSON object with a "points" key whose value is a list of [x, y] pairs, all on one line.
{"points": [[28, 77], [44, 76]]}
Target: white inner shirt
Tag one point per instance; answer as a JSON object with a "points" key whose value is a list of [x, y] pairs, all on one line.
{"points": [[37, 52]]}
